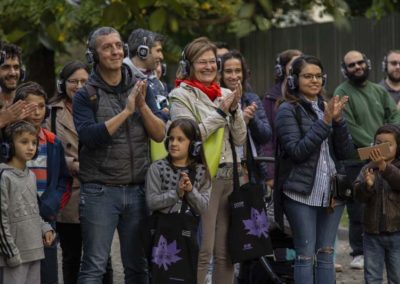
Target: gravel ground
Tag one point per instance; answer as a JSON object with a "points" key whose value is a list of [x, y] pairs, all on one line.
{"points": [[348, 276]]}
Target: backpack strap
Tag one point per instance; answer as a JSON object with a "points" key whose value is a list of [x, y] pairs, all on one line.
{"points": [[92, 95], [53, 127]]}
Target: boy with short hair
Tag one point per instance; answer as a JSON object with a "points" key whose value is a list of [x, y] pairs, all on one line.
{"points": [[22, 228], [53, 179]]}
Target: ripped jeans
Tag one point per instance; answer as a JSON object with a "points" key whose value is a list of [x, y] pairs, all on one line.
{"points": [[314, 233]]}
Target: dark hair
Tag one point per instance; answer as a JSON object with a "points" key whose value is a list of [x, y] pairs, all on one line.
{"points": [[283, 59], [235, 54], [295, 70], [137, 38], [29, 88], [221, 44], [390, 129], [12, 51], [65, 73], [15, 129], [193, 51]]}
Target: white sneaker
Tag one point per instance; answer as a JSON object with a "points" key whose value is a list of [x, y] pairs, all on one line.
{"points": [[357, 262]]}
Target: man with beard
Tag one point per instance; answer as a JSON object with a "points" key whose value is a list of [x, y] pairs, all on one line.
{"points": [[368, 108], [10, 72], [391, 68]]}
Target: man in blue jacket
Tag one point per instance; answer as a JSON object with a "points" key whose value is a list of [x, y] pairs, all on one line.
{"points": [[114, 119]]}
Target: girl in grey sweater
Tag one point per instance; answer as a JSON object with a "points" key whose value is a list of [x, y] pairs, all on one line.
{"points": [[168, 180]]}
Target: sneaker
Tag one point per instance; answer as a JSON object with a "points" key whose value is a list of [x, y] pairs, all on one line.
{"points": [[338, 267], [357, 262]]}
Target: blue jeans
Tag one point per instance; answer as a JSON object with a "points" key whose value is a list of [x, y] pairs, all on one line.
{"points": [[380, 250], [314, 233], [102, 210]]}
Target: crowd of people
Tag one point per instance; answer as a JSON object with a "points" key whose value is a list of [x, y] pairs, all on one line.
{"points": [[76, 168]]}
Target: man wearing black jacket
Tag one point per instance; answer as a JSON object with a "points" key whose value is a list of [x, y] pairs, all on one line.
{"points": [[114, 119]]}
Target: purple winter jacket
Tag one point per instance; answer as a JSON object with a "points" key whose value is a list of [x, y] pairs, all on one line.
{"points": [[272, 96]]}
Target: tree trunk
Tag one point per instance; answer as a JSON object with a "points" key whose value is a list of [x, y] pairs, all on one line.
{"points": [[40, 68]]}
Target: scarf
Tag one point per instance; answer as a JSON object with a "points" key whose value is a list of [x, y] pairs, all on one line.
{"points": [[213, 91]]}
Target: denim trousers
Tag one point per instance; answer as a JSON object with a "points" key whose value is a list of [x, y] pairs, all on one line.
{"points": [[103, 209], [314, 233], [379, 251], [71, 244], [49, 265]]}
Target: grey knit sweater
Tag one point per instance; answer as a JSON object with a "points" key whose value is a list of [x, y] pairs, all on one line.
{"points": [[162, 184]]}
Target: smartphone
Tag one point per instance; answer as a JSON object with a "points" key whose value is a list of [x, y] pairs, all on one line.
{"points": [[365, 151]]}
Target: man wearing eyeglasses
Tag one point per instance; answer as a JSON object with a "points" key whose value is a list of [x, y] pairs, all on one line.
{"points": [[391, 69], [369, 107]]}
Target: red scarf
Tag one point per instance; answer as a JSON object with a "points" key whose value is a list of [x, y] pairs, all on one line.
{"points": [[213, 91]]}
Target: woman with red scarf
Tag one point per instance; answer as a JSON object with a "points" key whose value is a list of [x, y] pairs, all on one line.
{"points": [[197, 91]]}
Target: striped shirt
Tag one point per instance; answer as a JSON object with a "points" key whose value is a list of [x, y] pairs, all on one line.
{"points": [[325, 170], [39, 165]]}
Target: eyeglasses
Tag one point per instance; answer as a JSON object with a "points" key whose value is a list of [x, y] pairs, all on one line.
{"points": [[76, 82], [205, 62], [394, 63], [309, 76], [353, 64]]}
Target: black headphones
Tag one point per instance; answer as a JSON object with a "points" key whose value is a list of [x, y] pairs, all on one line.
{"points": [[91, 54], [293, 79], [343, 66], [184, 64], [7, 147], [278, 69], [195, 145], [384, 64], [2, 57], [143, 50]]}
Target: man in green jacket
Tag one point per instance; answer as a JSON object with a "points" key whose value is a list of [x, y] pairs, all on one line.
{"points": [[369, 107]]}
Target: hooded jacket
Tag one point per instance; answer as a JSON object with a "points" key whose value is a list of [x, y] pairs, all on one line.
{"points": [[21, 227], [122, 158]]}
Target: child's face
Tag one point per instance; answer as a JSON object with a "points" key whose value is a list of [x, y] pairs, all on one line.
{"points": [[36, 117], [178, 146], [388, 138], [25, 146]]}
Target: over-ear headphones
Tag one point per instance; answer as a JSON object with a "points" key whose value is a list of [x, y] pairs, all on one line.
{"points": [[2, 57], [278, 69], [22, 73], [184, 64], [7, 147], [343, 66], [195, 145], [384, 64], [163, 69], [143, 50]]}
